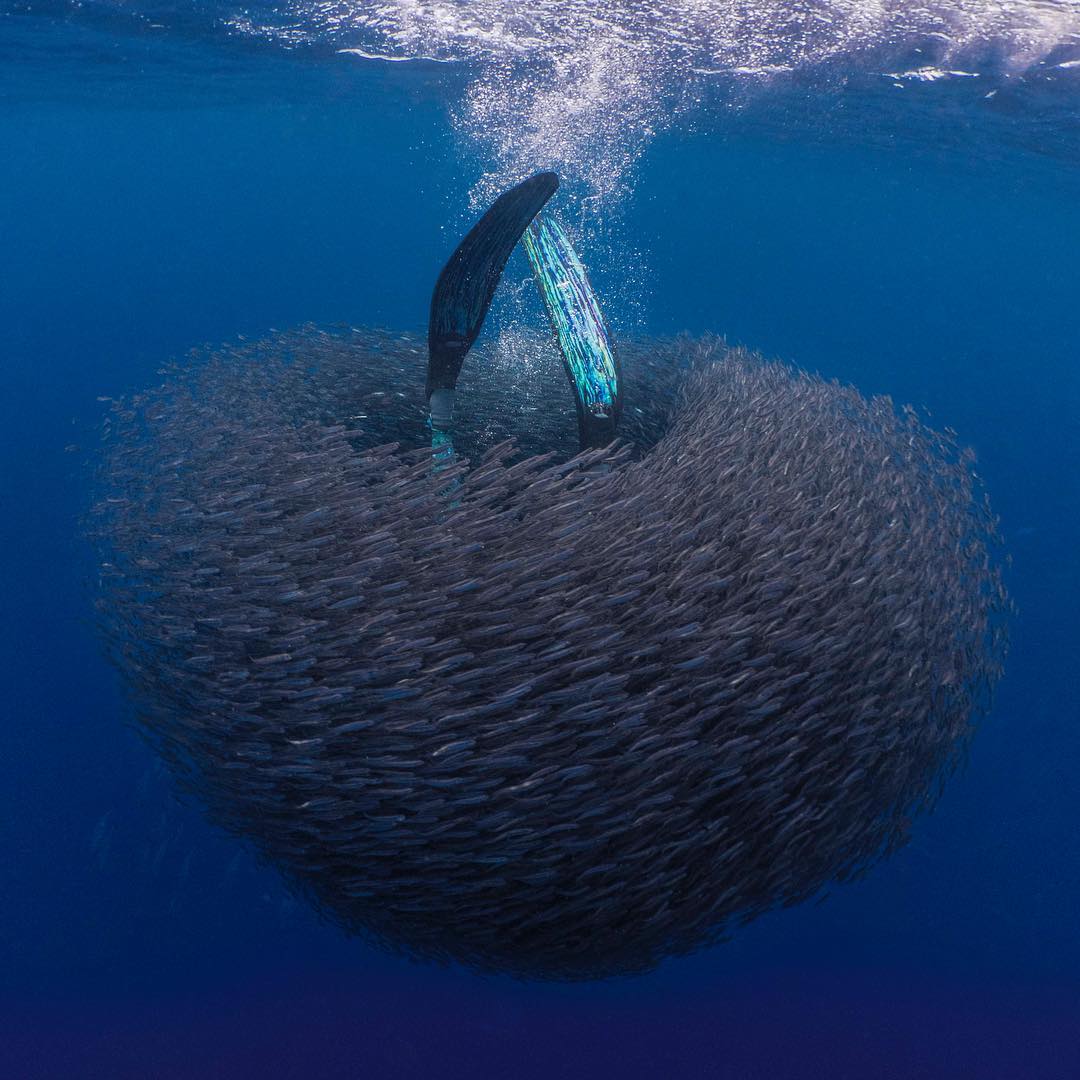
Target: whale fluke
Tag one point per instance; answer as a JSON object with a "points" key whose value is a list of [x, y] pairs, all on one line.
{"points": [[584, 341], [468, 281]]}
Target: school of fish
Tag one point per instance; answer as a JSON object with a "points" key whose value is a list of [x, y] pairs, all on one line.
{"points": [[553, 714]]}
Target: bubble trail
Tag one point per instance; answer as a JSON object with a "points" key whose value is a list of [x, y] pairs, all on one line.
{"points": [[583, 87]]}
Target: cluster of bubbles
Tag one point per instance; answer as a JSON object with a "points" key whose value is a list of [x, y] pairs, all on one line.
{"points": [[553, 714], [581, 86]]}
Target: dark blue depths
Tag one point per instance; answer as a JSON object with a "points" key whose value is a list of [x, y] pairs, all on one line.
{"points": [[134, 941]]}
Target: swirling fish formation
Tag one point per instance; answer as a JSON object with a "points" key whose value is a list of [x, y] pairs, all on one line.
{"points": [[544, 711]]}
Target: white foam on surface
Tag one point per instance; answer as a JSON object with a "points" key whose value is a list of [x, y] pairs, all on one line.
{"points": [[582, 86]]}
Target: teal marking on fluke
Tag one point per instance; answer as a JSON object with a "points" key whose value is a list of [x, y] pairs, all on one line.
{"points": [[588, 354]]}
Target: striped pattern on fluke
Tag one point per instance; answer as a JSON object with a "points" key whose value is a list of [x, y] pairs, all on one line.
{"points": [[468, 281], [584, 341]]}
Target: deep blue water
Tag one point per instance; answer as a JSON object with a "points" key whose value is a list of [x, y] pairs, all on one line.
{"points": [[161, 192]]}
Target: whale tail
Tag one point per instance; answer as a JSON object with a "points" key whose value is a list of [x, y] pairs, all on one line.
{"points": [[468, 281], [466, 287], [584, 341]]}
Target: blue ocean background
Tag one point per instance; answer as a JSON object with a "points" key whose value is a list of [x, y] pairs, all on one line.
{"points": [[180, 178]]}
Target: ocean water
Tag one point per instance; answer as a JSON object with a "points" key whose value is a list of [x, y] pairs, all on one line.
{"points": [[886, 193]]}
